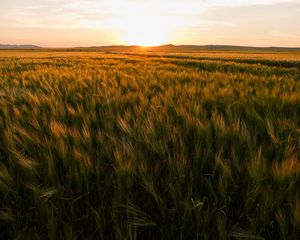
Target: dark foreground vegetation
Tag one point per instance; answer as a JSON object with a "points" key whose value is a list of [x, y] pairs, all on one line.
{"points": [[113, 146]]}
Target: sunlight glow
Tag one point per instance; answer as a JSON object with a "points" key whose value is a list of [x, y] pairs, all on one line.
{"points": [[149, 24], [145, 31], [71, 23]]}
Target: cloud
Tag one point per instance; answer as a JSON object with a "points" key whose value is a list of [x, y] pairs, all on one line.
{"points": [[259, 24]]}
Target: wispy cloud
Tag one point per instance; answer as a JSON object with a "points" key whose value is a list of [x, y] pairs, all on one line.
{"points": [[256, 23], [265, 22]]}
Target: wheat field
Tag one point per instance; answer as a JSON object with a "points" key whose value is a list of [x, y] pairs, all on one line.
{"points": [[97, 145]]}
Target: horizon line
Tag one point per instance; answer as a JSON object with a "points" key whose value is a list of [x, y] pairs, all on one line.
{"points": [[150, 46]]}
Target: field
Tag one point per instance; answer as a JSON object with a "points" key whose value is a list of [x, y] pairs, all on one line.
{"points": [[149, 145]]}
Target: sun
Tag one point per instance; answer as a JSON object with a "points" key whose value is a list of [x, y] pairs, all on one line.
{"points": [[146, 30], [142, 37], [148, 23]]}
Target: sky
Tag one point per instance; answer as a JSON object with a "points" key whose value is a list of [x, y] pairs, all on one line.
{"points": [[65, 23]]}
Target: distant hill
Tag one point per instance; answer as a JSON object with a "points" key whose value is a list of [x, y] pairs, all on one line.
{"points": [[220, 48], [184, 48], [232, 48], [162, 48], [11, 46]]}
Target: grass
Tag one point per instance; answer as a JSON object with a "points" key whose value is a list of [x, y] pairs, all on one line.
{"points": [[149, 146]]}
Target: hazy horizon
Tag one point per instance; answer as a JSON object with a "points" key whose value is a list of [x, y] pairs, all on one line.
{"points": [[150, 46], [84, 23]]}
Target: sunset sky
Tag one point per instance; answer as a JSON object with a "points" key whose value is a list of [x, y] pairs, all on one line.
{"points": [[65, 23]]}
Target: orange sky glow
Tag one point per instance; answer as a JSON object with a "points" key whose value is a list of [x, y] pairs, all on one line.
{"points": [[65, 23]]}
